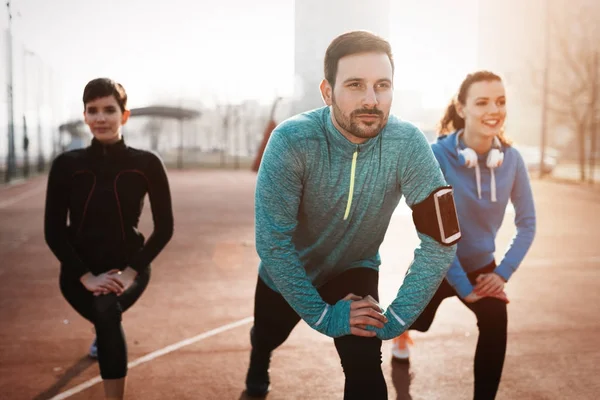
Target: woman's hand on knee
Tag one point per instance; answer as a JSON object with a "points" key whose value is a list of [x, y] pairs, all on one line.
{"points": [[500, 296], [127, 277], [474, 297], [101, 284], [489, 285]]}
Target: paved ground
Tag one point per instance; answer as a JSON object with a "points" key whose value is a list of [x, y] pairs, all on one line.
{"points": [[204, 282], [572, 172]]}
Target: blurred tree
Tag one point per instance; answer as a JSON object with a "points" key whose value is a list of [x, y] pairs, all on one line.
{"points": [[573, 83]]}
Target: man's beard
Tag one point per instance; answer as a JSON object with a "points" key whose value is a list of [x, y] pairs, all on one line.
{"points": [[360, 129]]}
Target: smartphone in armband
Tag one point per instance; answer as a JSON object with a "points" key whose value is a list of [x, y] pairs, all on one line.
{"points": [[436, 216], [447, 218]]}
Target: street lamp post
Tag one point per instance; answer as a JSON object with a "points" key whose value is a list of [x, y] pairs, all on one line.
{"points": [[25, 106], [10, 159], [40, 95], [543, 133], [39, 82]]}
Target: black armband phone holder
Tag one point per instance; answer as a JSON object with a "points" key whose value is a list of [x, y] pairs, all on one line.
{"points": [[436, 216]]}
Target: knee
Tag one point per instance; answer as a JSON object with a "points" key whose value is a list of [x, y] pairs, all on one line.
{"points": [[107, 309], [266, 341], [143, 277], [492, 315], [425, 319], [359, 354]]}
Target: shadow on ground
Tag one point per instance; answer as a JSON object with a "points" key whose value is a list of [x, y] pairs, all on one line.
{"points": [[76, 369], [401, 378]]}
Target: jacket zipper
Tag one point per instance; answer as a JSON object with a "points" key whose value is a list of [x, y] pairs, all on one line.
{"points": [[351, 189]]}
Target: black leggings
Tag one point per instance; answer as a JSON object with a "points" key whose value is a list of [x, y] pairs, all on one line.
{"points": [[491, 344], [105, 313], [274, 320]]}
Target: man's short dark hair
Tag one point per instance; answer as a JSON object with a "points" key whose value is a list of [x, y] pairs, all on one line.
{"points": [[103, 87], [354, 42]]}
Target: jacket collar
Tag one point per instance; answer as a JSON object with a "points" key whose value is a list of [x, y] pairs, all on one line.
{"points": [[339, 141], [100, 149]]}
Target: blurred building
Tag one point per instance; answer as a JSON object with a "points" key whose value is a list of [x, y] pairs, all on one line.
{"points": [[317, 23], [511, 43]]}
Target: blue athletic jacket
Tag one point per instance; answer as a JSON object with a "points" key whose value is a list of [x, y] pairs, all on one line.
{"points": [[480, 218]]}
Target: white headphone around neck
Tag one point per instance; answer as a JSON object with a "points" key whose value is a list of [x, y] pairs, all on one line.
{"points": [[468, 156]]}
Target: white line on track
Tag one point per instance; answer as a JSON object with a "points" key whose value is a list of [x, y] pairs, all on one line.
{"points": [[155, 354]]}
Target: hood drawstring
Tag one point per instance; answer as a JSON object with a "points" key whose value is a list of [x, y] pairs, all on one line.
{"points": [[492, 183], [478, 179], [469, 158]]}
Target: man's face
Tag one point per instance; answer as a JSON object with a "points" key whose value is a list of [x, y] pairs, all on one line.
{"points": [[362, 95]]}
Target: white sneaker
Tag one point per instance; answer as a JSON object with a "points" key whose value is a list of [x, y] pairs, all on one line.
{"points": [[400, 350], [93, 353]]}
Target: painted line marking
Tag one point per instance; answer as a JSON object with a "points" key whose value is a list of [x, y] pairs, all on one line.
{"points": [[155, 354]]}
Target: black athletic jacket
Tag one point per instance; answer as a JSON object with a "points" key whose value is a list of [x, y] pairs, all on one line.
{"points": [[102, 189]]}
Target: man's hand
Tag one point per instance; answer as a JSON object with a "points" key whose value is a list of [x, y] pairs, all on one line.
{"points": [[104, 283], [489, 285], [364, 311], [473, 297]]}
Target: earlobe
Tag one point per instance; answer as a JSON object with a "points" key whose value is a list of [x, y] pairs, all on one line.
{"points": [[125, 117], [459, 110], [326, 92]]}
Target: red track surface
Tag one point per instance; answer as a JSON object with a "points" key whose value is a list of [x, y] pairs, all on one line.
{"points": [[205, 279]]}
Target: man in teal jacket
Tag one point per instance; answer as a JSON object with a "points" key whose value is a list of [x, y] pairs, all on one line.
{"points": [[327, 186]]}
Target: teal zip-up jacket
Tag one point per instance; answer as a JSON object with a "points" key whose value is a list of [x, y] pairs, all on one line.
{"points": [[323, 205]]}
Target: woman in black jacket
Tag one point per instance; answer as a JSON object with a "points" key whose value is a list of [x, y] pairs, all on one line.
{"points": [[105, 260]]}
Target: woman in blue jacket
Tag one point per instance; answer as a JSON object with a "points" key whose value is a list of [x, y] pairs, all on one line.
{"points": [[486, 172]]}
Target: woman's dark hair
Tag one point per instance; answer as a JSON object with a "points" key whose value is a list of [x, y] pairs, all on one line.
{"points": [[103, 87]]}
